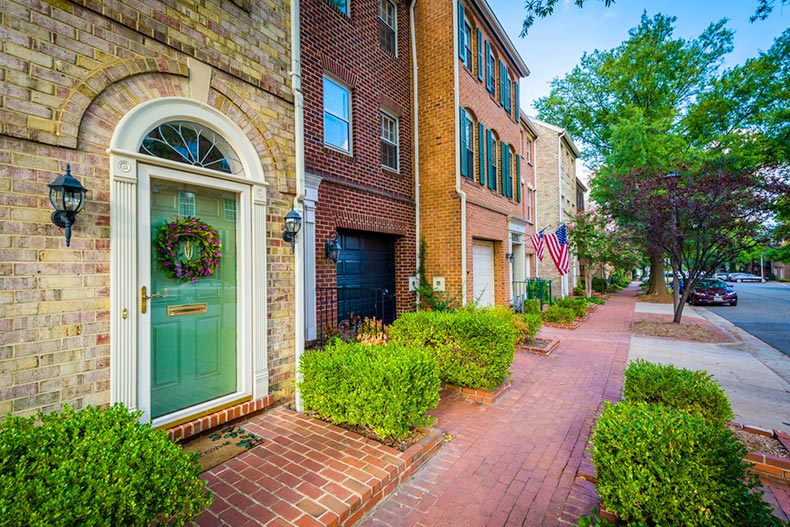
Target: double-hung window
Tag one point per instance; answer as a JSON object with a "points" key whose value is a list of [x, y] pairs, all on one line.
{"points": [[337, 115], [491, 157], [490, 71], [507, 182], [467, 145], [388, 26], [389, 141]]}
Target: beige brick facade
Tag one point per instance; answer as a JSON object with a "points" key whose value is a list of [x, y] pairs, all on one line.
{"points": [[70, 72], [557, 197]]}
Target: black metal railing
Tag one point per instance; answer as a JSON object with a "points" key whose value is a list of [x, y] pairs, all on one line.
{"points": [[530, 288], [341, 310]]}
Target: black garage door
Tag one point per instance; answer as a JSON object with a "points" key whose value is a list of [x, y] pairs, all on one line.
{"points": [[366, 276]]}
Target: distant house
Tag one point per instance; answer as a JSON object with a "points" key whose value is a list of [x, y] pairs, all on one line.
{"points": [[471, 194], [164, 113], [560, 196]]}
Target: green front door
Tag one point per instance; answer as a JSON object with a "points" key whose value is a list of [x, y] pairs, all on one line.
{"points": [[193, 324]]}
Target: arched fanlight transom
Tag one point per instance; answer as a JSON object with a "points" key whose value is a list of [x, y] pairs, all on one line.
{"points": [[193, 144]]}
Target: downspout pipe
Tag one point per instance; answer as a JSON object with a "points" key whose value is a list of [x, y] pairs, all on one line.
{"points": [[458, 153], [298, 203], [560, 135], [536, 200], [415, 120]]}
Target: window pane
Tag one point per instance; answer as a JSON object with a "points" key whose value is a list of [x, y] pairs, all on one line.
{"points": [[389, 141], [336, 99], [336, 132]]}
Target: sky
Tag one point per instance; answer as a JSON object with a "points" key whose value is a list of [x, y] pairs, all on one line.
{"points": [[555, 44]]}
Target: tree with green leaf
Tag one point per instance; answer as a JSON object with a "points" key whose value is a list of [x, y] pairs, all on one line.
{"points": [[658, 105], [599, 242]]}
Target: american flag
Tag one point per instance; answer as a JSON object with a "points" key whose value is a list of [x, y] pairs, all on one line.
{"points": [[558, 249], [537, 243]]}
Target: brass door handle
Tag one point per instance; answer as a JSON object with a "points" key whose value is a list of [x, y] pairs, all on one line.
{"points": [[144, 298]]}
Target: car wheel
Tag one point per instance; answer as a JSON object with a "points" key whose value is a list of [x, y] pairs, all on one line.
{"points": [[733, 304], [762, 280]]}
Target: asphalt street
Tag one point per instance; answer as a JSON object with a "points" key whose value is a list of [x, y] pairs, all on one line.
{"points": [[763, 310]]}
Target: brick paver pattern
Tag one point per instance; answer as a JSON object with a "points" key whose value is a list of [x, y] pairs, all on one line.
{"points": [[516, 462]]}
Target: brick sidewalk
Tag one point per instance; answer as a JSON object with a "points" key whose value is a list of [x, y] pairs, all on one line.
{"points": [[511, 463], [515, 462]]}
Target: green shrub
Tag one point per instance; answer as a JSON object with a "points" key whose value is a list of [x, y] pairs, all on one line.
{"points": [[95, 467], [596, 300], [528, 326], [473, 347], [658, 466], [532, 306], [684, 390], [559, 315], [388, 388], [578, 305]]}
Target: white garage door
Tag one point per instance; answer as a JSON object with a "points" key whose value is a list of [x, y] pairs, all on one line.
{"points": [[483, 272]]}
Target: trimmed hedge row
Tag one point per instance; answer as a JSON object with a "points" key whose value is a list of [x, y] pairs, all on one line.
{"points": [[472, 347], [693, 392], [660, 466], [387, 387], [96, 467], [665, 457]]}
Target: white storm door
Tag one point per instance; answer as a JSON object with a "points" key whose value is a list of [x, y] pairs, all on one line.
{"points": [[483, 272]]}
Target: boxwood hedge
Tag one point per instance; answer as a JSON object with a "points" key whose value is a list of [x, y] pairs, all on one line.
{"points": [[472, 347], [95, 467], [690, 391], [660, 466], [386, 387]]}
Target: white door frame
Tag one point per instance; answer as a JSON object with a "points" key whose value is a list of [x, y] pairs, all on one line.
{"points": [[125, 367]]}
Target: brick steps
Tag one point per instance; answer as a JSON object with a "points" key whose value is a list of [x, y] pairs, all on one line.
{"points": [[308, 473]]}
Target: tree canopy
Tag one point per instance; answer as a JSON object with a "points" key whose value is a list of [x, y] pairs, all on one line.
{"points": [[659, 105]]}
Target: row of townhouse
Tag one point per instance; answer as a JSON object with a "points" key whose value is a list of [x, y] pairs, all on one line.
{"points": [[373, 124]]}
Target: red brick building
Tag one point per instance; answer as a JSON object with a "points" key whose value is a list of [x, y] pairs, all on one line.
{"points": [[471, 151], [359, 190]]}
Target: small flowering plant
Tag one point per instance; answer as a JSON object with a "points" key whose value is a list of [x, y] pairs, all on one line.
{"points": [[187, 249]]}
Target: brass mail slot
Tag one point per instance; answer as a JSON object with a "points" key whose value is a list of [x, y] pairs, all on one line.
{"points": [[187, 309]]}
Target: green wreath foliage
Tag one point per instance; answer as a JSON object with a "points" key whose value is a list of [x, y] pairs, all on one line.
{"points": [[206, 240]]}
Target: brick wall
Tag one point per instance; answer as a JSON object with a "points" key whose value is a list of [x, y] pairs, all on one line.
{"points": [[70, 71], [356, 192], [488, 212]]}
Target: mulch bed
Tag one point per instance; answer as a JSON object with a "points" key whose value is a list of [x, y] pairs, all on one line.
{"points": [[690, 328], [760, 443]]}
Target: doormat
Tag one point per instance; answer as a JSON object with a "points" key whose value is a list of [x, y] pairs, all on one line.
{"points": [[222, 445]]}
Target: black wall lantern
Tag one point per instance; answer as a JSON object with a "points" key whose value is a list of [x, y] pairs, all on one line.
{"points": [[67, 195], [293, 222], [509, 256], [332, 247]]}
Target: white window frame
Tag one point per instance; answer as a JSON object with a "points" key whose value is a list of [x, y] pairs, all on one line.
{"points": [[396, 143], [346, 119], [466, 45], [394, 25]]}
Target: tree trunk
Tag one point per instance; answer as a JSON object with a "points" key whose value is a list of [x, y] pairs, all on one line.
{"points": [[657, 286], [588, 278]]}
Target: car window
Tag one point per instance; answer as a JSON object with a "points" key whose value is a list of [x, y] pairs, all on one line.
{"points": [[711, 284]]}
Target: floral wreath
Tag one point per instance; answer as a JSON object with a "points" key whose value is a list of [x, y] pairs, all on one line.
{"points": [[206, 241]]}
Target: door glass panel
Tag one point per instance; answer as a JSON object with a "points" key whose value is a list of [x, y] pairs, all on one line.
{"points": [[193, 323]]}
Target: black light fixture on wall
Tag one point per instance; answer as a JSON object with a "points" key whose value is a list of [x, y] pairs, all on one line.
{"points": [[293, 222], [332, 247], [67, 196], [509, 256]]}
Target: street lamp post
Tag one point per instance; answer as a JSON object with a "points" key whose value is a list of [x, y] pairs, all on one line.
{"points": [[672, 178]]}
